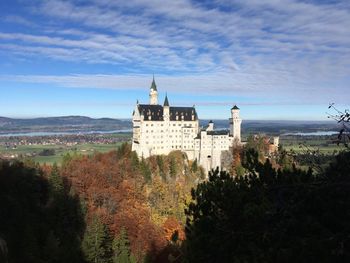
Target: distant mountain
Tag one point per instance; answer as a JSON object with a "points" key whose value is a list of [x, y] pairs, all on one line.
{"points": [[277, 127], [87, 124], [64, 123]]}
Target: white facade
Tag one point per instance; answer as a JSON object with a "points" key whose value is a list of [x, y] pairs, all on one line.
{"points": [[235, 124], [161, 129], [209, 146]]}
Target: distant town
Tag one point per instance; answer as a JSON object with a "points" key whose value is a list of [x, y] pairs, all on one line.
{"points": [[12, 147]]}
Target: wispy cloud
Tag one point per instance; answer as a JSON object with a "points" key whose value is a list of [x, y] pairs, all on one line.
{"points": [[15, 19], [256, 88], [285, 48]]}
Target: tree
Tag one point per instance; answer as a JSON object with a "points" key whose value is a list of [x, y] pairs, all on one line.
{"points": [[269, 215], [160, 163], [121, 248], [172, 167], [342, 118], [96, 244], [37, 225], [194, 166], [56, 181], [146, 171]]}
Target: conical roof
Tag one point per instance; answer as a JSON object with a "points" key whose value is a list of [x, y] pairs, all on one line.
{"points": [[166, 102], [154, 86]]}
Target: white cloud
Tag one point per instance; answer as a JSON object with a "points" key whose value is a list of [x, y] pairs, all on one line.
{"points": [[287, 48], [274, 91], [18, 20]]}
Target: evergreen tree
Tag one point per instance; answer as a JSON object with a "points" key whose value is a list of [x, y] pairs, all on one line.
{"points": [[146, 171], [194, 166], [269, 215], [160, 163], [36, 224], [134, 161], [172, 167], [121, 248], [55, 181], [96, 244]]}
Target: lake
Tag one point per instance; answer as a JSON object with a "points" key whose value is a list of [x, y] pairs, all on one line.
{"points": [[32, 134], [317, 133]]}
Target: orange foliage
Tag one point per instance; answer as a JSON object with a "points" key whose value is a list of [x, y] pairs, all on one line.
{"points": [[170, 226], [115, 190]]}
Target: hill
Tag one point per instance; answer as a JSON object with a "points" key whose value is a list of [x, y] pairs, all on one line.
{"points": [[277, 127], [63, 123], [87, 124]]}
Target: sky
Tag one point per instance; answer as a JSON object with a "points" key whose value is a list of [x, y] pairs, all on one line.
{"points": [[275, 59]]}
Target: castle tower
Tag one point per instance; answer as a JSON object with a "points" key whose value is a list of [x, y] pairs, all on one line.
{"points": [[166, 109], [153, 94], [235, 124]]}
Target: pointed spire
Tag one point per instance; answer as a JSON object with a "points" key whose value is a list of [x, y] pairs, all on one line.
{"points": [[235, 107], [137, 102], [154, 86], [166, 102]]}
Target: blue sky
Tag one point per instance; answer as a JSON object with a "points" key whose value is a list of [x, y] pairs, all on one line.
{"points": [[275, 59]]}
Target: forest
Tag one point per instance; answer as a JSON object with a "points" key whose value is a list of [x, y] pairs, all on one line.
{"points": [[114, 207]]}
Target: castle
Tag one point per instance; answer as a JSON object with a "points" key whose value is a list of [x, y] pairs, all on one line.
{"points": [[160, 129]]}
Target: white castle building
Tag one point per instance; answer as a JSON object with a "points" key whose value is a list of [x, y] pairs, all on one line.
{"points": [[160, 129]]}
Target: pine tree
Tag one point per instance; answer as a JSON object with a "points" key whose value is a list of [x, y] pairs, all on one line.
{"points": [[55, 181], [146, 171], [96, 244], [134, 161], [160, 164], [121, 248], [194, 166], [172, 167]]}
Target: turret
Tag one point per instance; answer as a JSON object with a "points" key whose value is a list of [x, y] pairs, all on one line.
{"points": [[235, 124], [153, 94], [166, 109], [210, 126]]}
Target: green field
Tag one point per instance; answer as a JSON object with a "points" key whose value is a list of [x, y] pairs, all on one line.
{"points": [[321, 145], [26, 151], [321, 149]]}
